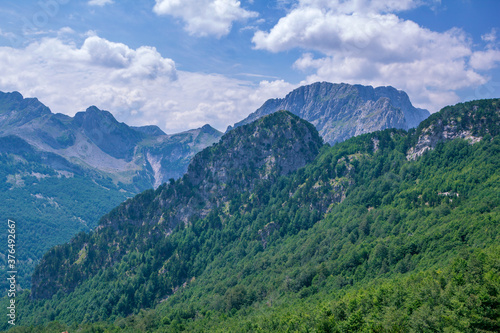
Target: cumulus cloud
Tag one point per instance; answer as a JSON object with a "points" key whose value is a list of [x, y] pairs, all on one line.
{"points": [[205, 17], [138, 86], [362, 41], [100, 3], [484, 60], [196, 99]]}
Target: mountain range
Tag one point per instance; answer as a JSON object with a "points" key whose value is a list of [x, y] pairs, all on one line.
{"points": [[48, 155], [45, 155], [270, 230], [137, 157]]}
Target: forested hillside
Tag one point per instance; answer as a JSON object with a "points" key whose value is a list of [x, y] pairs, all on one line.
{"points": [[50, 199], [386, 232]]}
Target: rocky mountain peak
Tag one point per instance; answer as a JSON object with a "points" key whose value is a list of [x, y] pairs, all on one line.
{"points": [[274, 145], [261, 151], [340, 111], [17, 110], [149, 130], [14, 96], [94, 117], [208, 129], [114, 138], [94, 110]]}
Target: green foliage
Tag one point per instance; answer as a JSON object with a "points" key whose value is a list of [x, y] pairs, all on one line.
{"points": [[359, 240], [49, 207], [462, 296]]}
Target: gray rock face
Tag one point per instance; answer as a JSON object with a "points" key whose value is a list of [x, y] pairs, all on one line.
{"points": [[434, 134], [274, 145], [340, 111]]}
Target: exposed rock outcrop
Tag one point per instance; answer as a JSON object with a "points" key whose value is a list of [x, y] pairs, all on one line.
{"points": [[470, 121], [434, 134]]}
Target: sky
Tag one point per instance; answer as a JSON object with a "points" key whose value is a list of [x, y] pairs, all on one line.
{"points": [[180, 64]]}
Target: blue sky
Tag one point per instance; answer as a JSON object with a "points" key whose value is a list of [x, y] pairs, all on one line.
{"points": [[182, 64]]}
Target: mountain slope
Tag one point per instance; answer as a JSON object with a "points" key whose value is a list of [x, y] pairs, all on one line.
{"points": [[251, 155], [341, 111], [50, 199], [360, 212]]}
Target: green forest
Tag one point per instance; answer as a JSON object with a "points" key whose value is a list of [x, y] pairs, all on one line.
{"points": [[362, 239], [49, 206]]}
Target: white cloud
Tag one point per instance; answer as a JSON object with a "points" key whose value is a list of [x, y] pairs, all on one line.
{"points": [[66, 31], [100, 3], [362, 41], [145, 62], [138, 86], [484, 60], [9, 35], [205, 17], [196, 99], [490, 37]]}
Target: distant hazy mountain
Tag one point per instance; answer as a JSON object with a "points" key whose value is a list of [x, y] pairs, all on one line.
{"points": [[341, 111], [137, 157]]}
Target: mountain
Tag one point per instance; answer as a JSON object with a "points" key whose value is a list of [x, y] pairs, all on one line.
{"points": [[60, 174], [16, 110], [136, 157], [169, 155], [271, 235], [150, 130], [249, 156], [341, 111]]}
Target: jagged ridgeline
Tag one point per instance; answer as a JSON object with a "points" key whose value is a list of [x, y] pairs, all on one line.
{"points": [[135, 158], [388, 231]]}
